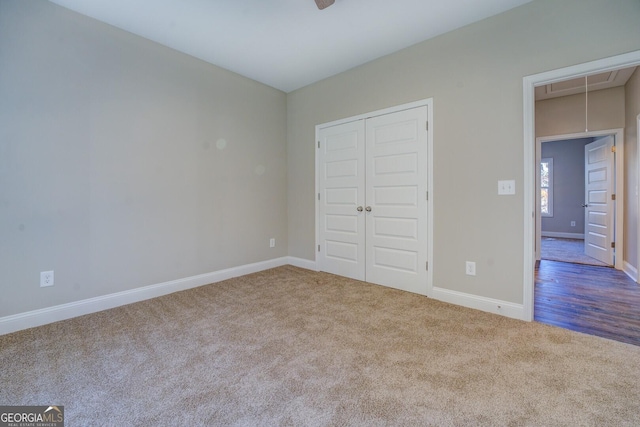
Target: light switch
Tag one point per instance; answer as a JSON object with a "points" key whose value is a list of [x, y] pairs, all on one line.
{"points": [[507, 187]]}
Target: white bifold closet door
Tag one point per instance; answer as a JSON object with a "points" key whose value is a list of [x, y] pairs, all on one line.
{"points": [[373, 199], [342, 197]]}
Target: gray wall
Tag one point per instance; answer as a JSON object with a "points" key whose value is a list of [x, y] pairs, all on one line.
{"points": [[474, 75], [113, 172], [568, 185]]}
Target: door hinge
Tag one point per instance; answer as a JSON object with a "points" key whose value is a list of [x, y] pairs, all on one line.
{"points": [[613, 197], [318, 144], [427, 195], [613, 148], [318, 248], [318, 196], [613, 245], [427, 265], [427, 126]]}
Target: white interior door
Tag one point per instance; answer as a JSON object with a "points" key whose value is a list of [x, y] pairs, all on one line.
{"points": [[396, 200], [599, 204], [341, 214]]}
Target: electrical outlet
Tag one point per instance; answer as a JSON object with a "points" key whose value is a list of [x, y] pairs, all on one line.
{"points": [[573, 223], [470, 268], [46, 279], [272, 242]]}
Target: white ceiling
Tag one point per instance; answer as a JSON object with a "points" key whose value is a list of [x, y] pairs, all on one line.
{"points": [[288, 44]]}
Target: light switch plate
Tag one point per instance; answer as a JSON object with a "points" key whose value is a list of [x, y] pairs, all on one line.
{"points": [[506, 187]]}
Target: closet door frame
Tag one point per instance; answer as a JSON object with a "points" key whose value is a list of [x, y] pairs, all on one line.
{"points": [[425, 102]]}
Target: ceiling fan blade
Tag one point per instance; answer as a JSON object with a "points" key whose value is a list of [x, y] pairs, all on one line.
{"points": [[324, 3]]}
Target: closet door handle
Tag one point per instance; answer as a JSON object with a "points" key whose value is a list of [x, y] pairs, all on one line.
{"points": [[585, 205], [359, 208], [368, 209]]}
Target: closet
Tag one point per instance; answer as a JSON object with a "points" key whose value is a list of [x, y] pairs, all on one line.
{"points": [[372, 199]]}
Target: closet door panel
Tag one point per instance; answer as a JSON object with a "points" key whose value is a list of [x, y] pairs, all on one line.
{"points": [[341, 184], [396, 193]]}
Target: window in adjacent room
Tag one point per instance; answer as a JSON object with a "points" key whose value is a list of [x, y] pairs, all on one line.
{"points": [[546, 186]]}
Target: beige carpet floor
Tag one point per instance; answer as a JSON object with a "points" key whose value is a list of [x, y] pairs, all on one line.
{"points": [[291, 347]]}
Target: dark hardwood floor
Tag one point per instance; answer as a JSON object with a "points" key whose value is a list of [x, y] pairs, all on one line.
{"points": [[599, 301]]}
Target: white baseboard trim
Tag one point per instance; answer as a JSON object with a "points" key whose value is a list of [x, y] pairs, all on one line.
{"points": [[561, 235], [504, 308], [631, 271], [302, 263], [56, 313]]}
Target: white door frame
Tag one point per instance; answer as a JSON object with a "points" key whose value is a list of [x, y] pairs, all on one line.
{"points": [[619, 187], [635, 272], [529, 83], [422, 103]]}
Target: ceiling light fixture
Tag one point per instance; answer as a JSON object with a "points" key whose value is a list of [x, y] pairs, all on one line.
{"points": [[324, 3]]}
